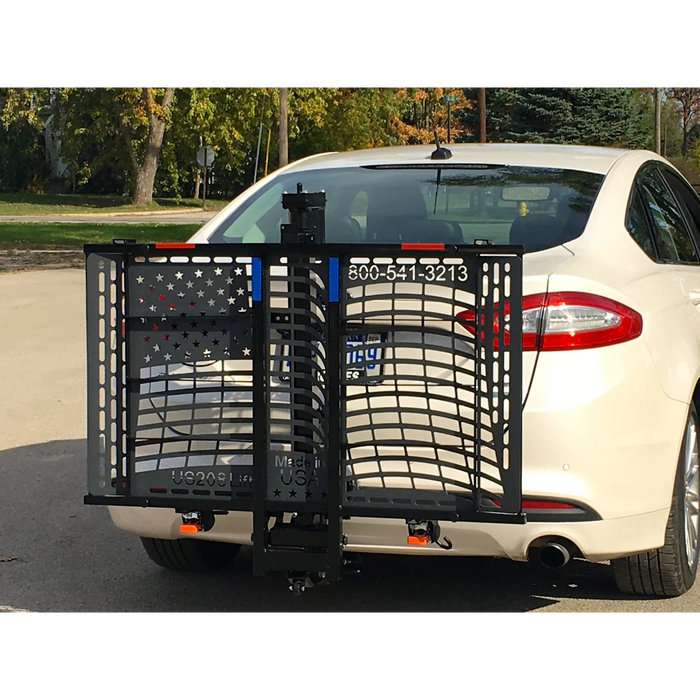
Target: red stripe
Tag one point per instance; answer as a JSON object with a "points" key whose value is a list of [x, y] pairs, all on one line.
{"points": [[422, 246], [174, 245]]}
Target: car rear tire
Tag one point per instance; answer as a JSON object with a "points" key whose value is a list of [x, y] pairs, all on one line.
{"points": [[671, 570], [190, 554]]}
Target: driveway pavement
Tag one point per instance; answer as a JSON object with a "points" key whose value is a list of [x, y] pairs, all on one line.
{"points": [[181, 216]]}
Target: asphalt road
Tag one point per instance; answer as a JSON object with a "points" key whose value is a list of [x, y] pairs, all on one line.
{"points": [[58, 555]]}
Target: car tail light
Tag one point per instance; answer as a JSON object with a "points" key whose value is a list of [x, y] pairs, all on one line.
{"points": [[568, 321], [467, 319]]}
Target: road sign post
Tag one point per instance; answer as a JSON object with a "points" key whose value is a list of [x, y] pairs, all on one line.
{"points": [[449, 99]]}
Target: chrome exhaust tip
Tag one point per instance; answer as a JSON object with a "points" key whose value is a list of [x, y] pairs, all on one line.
{"points": [[554, 555]]}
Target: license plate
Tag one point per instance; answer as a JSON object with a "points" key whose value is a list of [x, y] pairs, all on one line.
{"points": [[370, 357]]}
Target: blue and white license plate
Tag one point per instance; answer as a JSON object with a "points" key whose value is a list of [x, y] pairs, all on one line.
{"points": [[366, 359]]}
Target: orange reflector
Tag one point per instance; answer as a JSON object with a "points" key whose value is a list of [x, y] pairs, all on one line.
{"points": [[174, 245], [422, 246], [418, 539], [189, 528]]}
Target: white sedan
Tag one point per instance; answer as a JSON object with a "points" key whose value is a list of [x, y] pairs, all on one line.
{"points": [[611, 345]]}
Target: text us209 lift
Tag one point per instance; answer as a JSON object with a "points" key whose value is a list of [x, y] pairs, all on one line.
{"points": [[307, 382]]}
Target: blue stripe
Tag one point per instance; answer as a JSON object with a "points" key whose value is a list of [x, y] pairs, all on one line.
{"points": [[257, 279], [333, 280]]}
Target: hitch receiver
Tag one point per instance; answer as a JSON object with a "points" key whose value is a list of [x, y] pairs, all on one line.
{"points": [[422, 532]]}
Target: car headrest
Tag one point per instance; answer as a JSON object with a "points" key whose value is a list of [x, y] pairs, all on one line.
{"points": [[343, 229]]}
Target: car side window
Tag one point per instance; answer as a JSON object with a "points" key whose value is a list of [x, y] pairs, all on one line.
{"points": [[638, 225], [674, 241], [689, 201]]}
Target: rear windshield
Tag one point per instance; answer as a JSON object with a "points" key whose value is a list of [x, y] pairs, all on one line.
{"points": [[536, 207]]}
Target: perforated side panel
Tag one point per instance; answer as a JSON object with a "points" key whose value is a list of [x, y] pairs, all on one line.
{"points": [[106, 354], [429, 399]]}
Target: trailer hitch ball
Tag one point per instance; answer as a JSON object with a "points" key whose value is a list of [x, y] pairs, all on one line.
{"points": [[195, 521]]}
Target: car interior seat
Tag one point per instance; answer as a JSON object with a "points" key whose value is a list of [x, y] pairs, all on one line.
{"points": [[432, 231], [343, 229], [390, 211], [400, 215], [541, 231]]}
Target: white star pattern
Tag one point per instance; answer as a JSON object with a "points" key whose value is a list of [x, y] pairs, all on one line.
{"points": [[200, 293]]}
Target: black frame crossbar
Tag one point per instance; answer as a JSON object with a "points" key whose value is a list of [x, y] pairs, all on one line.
{"points": [[321, 380]]}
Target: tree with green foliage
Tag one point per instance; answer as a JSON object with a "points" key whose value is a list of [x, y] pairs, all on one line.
{"points": [[499, 102], [22, 155], [589, 116], [688, 100], [341, 119], [122, 127]]}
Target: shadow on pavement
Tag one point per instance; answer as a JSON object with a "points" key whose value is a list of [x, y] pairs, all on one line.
{"points": [[57, 554]]}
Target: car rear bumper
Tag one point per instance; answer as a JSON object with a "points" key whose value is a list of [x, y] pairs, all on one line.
{"points": [[597, 540], [598, 430]]}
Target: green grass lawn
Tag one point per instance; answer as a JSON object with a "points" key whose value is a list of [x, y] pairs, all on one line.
{"points": [[47, 236], [25, 204]]}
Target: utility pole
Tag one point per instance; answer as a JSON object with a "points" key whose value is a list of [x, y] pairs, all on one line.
{"points": [[482, 115], [657, 120], [284, 134]]}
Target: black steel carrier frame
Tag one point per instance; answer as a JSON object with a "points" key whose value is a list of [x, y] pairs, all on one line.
{"points": [[307, 383]]}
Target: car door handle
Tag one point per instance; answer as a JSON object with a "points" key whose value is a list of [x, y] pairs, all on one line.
{"points": [[694, 295]]}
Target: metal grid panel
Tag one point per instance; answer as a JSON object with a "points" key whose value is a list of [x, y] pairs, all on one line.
{"points": [[190, 371], [428, 412], [297, 397], [428, 417]]}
